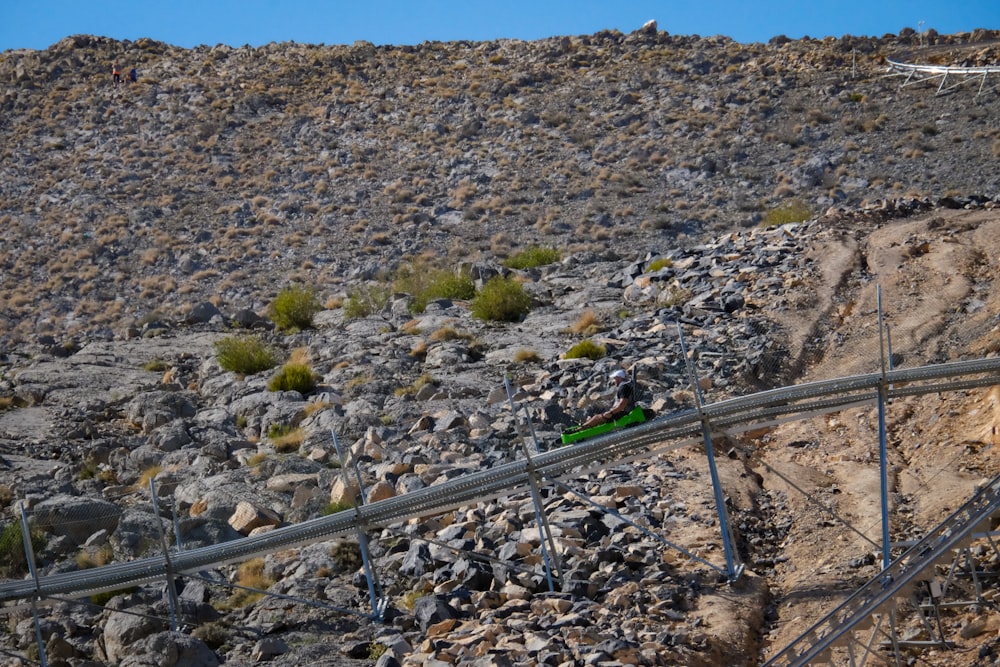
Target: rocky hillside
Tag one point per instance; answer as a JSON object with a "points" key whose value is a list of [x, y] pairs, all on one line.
{"points": [[145, 223], [225, 173]]}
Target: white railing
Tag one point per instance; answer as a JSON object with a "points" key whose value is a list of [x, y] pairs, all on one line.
{"points": [[916, 73]]}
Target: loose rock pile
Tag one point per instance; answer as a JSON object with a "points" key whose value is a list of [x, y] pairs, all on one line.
{"points": [[90, 426], [332, 166], [202, 435]]}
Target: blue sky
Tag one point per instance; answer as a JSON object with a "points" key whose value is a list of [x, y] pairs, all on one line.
{"points": [[37, 24]]}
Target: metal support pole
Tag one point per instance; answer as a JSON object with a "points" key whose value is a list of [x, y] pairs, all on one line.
{"points": [[177, 529], [545, 530], [377, 607], [29, 555], [527, 417], [895, 634], [972, 572], [870, 646], [171, 589], [883, 461], [883, 453], [934, 593], [881, 327], [733, 571], [542, 520]]}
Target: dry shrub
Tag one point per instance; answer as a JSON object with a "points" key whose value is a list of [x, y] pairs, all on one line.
{"points": [[286, 439], [526, 356], [299, 355], [315, 406], [249, 575], [419, 350], [587, 324]]}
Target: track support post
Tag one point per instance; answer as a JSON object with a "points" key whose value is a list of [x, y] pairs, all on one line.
{"points": [[377, 602], [29, 556], [733, 570]]}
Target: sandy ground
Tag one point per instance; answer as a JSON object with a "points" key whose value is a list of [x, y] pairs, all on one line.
{"points": [[937, 276]]}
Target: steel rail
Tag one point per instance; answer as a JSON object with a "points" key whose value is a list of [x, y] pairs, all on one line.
{"points": [[894, 580], [506, 479], [918, 73], [937, 70]]}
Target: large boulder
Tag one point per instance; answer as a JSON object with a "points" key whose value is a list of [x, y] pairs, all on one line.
{"points": [[156, 408], [169, 649], [125, 628], [248, 517], [76, 517]]}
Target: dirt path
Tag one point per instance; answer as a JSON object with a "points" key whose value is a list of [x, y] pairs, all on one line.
{"points": [[936, 274]]}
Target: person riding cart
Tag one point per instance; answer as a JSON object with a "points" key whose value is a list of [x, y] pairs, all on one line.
{"points": [[624, 412]]}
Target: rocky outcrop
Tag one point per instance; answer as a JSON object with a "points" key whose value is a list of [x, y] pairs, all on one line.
{"points": [[220, 476], [331, 167], [225, 173]]}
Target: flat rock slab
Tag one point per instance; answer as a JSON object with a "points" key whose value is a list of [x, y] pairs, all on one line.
{"points": [[32, 424]]}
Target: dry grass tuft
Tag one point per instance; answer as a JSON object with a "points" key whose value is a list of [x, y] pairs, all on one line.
{"points": [[587, 324]]}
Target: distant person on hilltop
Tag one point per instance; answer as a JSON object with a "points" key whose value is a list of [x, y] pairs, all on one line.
{"points": [[116, 73], [132, 74]]}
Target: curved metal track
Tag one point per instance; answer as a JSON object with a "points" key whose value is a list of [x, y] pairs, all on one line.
{"points": [[916, 72], [795, 402]]}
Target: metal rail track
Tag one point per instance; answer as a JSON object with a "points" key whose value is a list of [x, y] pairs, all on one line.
{"points": [[742, 413], [915, 73], [895, 580]]}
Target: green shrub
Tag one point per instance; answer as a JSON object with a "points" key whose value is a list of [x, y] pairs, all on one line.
{"points": [[293, 377], [794, 211], [409, 599], [659, 263], [426, 283], [501, 299], [294, 308], [215, 634], [365, 300], [376, 650], [336, 506], [532, 257], [245, 355], [13, 561], [101, 599], [156, 365], [586, 349]]}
